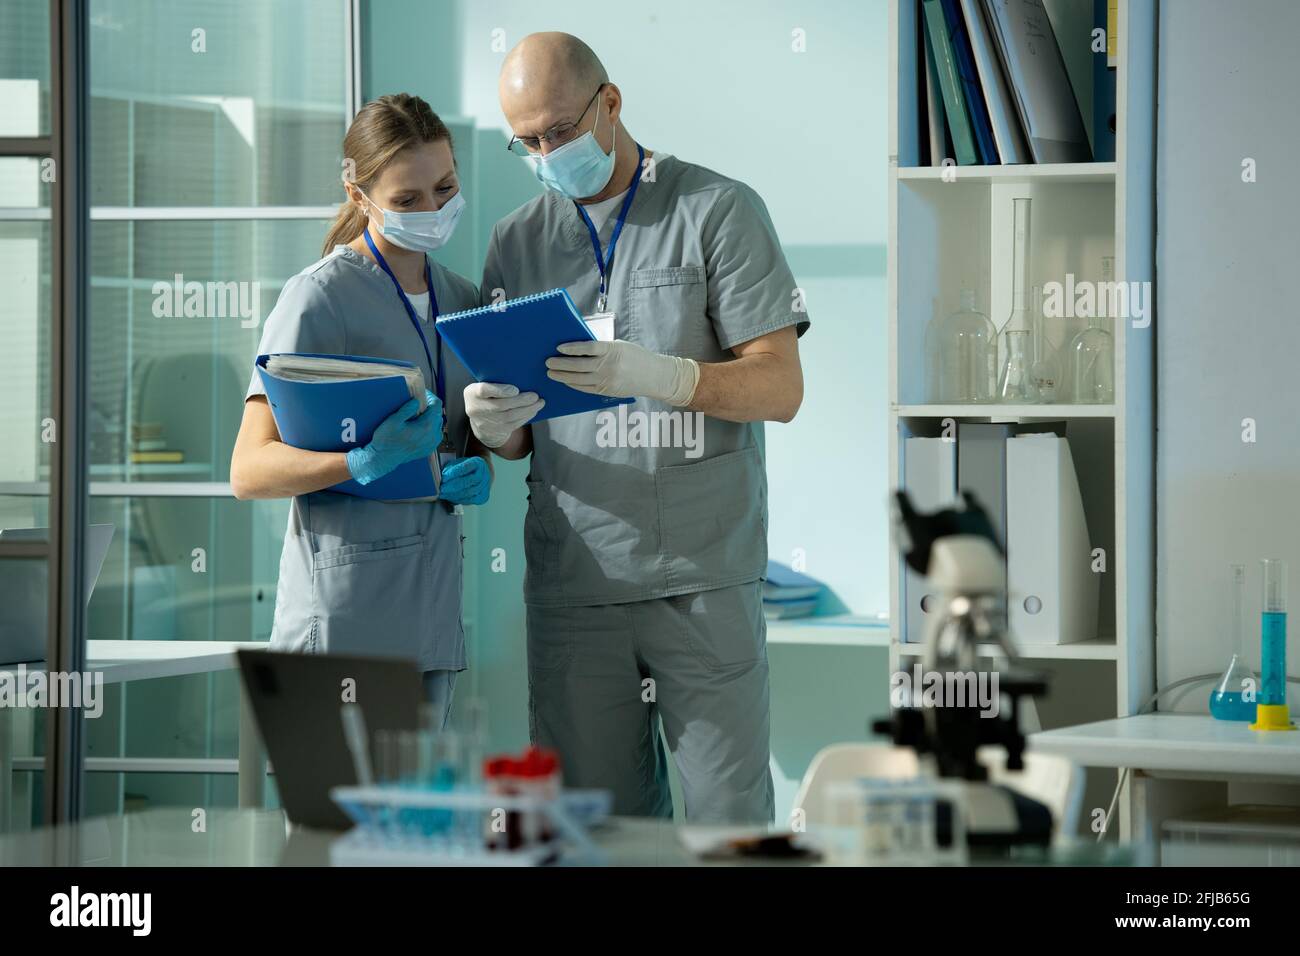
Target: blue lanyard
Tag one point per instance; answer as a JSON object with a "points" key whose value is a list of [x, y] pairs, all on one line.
{"points": [[439, 373], [605, 261]]}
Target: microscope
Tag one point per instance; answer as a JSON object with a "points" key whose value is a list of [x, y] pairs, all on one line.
{"points": [[957, 550]]}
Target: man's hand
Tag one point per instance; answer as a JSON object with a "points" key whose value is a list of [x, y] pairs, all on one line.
{"points": [[495, 411], [620, 369]]}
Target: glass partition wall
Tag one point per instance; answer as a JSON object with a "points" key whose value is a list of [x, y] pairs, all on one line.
{"points": [[213, 132], [31, 197]]}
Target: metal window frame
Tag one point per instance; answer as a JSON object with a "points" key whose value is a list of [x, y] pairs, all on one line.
{"points": [[68, 503], [352, 56]]}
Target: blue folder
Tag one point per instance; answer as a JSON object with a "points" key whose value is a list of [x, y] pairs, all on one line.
{"points": [[979, 114], [783, 583], [510, 342], [310, 415]]}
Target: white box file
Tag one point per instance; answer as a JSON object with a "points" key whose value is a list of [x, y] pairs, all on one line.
{"points": [[930, 480], [1052, 590]]}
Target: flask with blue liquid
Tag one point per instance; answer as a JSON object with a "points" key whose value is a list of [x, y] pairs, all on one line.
{"points": [[1233, 697]]}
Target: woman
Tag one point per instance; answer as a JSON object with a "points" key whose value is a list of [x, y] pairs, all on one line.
{"points": [[357, 575]]}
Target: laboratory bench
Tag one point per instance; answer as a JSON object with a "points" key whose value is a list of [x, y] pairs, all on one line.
{"points": [[167, 837], [1184, 766]]}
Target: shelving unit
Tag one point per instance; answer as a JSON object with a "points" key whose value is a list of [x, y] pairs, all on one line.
{"points": [[950, 230]]}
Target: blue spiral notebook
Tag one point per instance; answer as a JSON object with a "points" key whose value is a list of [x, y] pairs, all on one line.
{"points": [[509, 343], [315, 415]]}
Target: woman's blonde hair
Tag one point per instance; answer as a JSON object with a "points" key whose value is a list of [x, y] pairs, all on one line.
{"points": [[381, 130]]}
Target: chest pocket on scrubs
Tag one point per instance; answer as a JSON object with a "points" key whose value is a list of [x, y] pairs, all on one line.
{"points": [[373, 598], [667, 312]]}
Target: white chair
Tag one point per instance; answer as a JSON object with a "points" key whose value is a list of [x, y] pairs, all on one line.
{"points": [[844, 762], [1050, 779]]}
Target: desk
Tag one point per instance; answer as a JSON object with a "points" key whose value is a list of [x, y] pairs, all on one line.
{"points": [[165, 837], [122, 661], [1180, 762]]}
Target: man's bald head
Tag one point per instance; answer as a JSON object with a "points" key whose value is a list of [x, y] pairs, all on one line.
{"points": [[547, 74]]}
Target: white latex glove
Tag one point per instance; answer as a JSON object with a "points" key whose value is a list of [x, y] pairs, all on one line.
{"points": [[620, 369], [495, 411]]}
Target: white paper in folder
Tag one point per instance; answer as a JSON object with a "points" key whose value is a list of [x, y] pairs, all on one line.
{"points": [[1052, 587], [930, 480]]}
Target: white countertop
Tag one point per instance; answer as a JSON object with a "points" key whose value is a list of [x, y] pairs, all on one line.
{"points": [[1192, 743], [121, 661], [837, 630]]}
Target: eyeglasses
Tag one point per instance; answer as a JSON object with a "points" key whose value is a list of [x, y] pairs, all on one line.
{"points": [[557, 135]]}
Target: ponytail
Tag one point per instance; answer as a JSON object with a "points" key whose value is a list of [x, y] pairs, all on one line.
{"points": [[381, 130], [347, 225]]}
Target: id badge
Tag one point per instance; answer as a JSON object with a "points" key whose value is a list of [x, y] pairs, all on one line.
{"points": [[601, 325]]}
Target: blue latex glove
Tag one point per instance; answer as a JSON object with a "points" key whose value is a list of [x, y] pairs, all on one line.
{"points": [[403, 436], [466, 481]]}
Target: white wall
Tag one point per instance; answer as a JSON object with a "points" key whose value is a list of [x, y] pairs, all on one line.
{"points": [[718, 83], [1228, 336]]}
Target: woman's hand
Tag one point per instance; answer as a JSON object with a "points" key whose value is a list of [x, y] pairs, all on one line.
{"points": [[403, 436], [466, 481]]}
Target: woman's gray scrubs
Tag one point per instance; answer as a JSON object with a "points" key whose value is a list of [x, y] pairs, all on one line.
{"points": [[359, 576]]}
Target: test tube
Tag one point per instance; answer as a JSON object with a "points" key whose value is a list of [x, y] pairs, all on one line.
{"points": [[1271, 712]]}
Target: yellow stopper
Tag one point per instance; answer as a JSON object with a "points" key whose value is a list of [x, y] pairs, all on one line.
{"points": [[1272, 717]]}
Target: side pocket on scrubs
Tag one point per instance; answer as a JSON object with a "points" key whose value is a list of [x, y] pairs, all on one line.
{"points": [[541, 541], [372, 598], [724, 628], [711, 520]]}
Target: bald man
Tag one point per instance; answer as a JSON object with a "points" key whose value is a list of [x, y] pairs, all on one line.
{"points": [[646, 530]]}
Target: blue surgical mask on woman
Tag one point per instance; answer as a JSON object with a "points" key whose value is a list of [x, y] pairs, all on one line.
{"points": [[578, 169], [421, 231]]}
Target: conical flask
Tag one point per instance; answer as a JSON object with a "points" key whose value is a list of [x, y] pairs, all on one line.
{"points": [[1233, 697], [1045, 371], [1015, 341]]}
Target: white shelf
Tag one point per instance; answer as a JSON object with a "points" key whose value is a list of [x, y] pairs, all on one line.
{"points": [[1018, 175], [842, 630], [1100, 649], [999, 413]]}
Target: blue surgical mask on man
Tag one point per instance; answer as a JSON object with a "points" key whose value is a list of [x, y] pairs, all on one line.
{"points": [[421, 231], [578, 169]]}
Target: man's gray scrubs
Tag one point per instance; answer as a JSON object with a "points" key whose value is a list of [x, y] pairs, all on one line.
{"points": [[644, 563], [359, 576]]}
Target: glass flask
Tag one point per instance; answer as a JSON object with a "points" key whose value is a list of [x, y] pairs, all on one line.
{"points": [[962, 351], [1233, 697], [1015, 342], [1045, 370], [1014, 384], [1092, 351]]}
